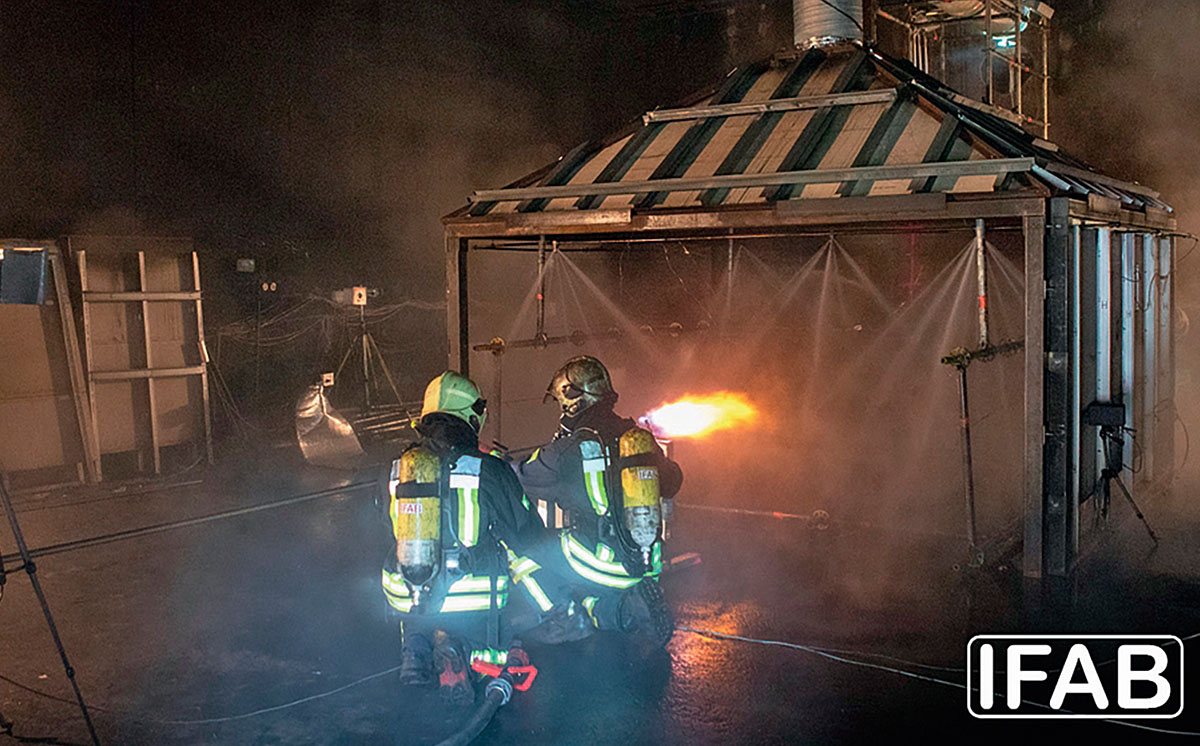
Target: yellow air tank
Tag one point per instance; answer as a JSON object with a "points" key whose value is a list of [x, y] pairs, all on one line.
{"points": [[639, 483], [417, 516]]}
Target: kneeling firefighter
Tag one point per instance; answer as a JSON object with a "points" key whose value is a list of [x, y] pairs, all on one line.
{"points": [[458, 517], [610, 477]]}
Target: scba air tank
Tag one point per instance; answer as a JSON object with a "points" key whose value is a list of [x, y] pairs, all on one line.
{"points": [[417, 516], [639, 483]]}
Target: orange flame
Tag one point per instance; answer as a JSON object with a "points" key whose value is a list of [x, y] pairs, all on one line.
{"points": [[697, 415]]}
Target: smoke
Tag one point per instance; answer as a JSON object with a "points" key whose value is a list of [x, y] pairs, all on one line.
{"points": [[1123, 102]]}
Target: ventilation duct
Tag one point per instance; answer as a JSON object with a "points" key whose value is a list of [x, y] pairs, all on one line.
{"points": [[818, 23]]}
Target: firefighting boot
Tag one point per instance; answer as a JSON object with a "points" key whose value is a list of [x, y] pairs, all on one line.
{"points": [[454, 681], [565, 623], [644, 614], [416, 662]]}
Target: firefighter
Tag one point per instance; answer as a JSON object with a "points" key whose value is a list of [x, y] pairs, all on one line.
{"points": [[458, 518], [612, 563]]}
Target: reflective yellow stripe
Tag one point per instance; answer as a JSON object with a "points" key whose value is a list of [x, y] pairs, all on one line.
{"points": [[472, 603], [598, 577], [533, 456], [535, 591], [523, 567], [605, 553], [571, 545], [490, 655], [468, 516]]}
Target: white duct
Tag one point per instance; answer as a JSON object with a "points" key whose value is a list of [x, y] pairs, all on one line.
{"points": [[817, 23]]}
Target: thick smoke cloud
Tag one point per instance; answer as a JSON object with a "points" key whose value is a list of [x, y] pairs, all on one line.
{"points": [[1123, 102]]}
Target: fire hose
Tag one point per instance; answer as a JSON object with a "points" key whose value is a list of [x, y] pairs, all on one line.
{"points": [[496, 694]]}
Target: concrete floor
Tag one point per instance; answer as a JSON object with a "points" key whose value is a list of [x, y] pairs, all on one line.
{"points": [[259, 610]]}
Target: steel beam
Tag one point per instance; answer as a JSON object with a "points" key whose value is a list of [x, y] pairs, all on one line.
{"points": [[751, 108], [949, 169]]}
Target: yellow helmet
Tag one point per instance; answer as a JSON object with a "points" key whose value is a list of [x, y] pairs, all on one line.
{"points": [[579, 383], [456, 395]]}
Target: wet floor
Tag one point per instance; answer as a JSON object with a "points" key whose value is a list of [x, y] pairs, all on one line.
{"points": [[177, 634]]}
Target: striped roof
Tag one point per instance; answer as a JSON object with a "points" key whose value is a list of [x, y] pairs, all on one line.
{"points": [[822, 124]]}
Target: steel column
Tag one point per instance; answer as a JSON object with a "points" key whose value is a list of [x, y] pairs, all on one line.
{"points": [[1128, 338], [1060, 514], [457, 304], [1035, 365]]}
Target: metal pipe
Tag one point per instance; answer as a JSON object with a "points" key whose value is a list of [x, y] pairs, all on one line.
{"points": [[1045, 81], [981, 276], [1020, 60], [968, 469], [991, 86], [541, 292]]}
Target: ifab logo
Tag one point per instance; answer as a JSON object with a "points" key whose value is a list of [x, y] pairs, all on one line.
{"points": [[411, 508], [1075, 676]]}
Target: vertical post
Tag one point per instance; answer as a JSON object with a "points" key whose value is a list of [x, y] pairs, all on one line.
{"points": [[258, 294], [541, 291], [989, 50], [1034, 228], [981, 277], [90, 361], [457, 304], [1045, 80], [154, 445], [83, 412], [1128, 339], [208, 446], [1018, 68], [968, 470], [366, 357], [1148, 433], [1058, 457], [729, 276], [1092, 368], [1164, 406]]}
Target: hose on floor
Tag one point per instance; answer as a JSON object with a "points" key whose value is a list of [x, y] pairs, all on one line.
{"points": [[497, 693]]}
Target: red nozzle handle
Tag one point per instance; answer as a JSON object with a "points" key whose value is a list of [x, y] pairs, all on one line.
{"points": [[529, 673]]}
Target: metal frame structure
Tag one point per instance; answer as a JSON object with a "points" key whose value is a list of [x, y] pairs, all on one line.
{"points": [[144, 297], [757, 158], [925, 26], [1063, 347]]}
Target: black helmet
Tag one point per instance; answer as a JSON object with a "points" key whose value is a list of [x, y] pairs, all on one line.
{"points": [[580, 382]]}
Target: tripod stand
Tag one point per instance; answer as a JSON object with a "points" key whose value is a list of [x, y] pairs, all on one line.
{"points": [[364, 343], [1112, 436], [30, 568]]}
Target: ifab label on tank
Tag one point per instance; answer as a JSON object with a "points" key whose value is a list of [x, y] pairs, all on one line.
{"points": [[411, 508]]}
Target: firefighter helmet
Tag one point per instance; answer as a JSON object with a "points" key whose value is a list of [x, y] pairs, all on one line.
{"points": [[456, 395], [579, 383]]}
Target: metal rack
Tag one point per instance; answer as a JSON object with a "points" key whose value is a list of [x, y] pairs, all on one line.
{"points": [[996, 24]]}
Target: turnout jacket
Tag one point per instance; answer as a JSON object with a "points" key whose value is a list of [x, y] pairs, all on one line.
{"points": [[487, 507], [577, 471]]}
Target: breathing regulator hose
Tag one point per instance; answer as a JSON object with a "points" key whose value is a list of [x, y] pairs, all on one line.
{"points": [[497, 693]]}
